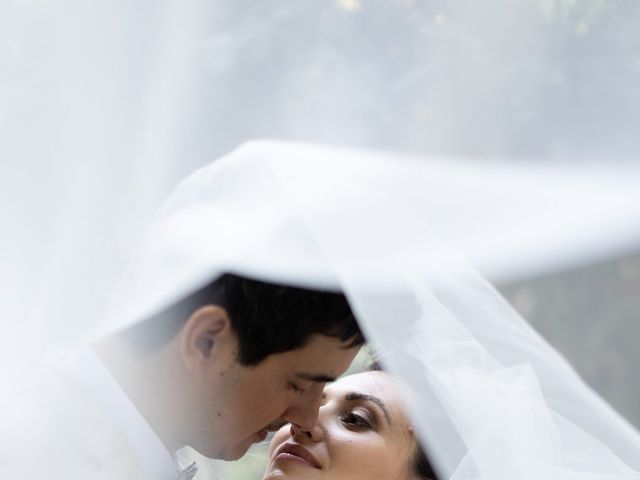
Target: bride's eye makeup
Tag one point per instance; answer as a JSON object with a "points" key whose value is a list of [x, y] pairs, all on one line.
{"points": [[359, 419]]}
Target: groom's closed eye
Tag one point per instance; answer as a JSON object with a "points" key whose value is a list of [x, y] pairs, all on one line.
{"points": [[315, 377], [296, 387]]}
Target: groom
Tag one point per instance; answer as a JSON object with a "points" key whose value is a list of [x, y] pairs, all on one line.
{"points": [[233, 361]]}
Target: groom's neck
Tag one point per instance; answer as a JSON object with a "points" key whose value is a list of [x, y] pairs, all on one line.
{"points": [[149, 381]]}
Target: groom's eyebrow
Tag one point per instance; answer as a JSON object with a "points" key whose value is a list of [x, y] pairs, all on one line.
{"points": [[316, 377]]}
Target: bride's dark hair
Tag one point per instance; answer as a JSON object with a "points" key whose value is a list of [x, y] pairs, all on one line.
{"points": [[420, 464]]}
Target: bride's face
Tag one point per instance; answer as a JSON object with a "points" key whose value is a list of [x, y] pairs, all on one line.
{"points": [[362, 433]]}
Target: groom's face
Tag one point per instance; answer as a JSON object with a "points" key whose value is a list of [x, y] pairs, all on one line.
{"points": [[244, 403]]}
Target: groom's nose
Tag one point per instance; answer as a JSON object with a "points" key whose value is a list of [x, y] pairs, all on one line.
{"points": [[304, 412]]}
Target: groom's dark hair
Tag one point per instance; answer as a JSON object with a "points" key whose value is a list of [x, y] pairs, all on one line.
{"points": [[267, 317]]}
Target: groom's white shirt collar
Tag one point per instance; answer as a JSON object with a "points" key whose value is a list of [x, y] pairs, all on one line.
{"points": [[153, 457]]}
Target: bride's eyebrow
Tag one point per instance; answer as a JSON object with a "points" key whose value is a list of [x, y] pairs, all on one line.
{"points": [[354, 396]]}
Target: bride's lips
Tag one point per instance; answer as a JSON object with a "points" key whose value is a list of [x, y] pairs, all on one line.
{"points": [[296, 453]]}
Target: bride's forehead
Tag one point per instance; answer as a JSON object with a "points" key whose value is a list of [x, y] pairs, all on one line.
{"points": [[365, 382]]}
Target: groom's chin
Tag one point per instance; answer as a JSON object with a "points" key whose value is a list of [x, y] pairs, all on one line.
{"points": [[224, 448], [241, 449], [227, 452]]}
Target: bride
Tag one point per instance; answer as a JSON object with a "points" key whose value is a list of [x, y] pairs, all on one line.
{"points": [[362, 432]]}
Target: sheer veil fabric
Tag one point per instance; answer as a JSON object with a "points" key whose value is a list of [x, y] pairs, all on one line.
{"points": [[489, 397], [105, 104]]}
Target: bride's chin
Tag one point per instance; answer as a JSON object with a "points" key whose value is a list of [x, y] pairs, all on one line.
{"points": [[277, 474], [274, 475]]}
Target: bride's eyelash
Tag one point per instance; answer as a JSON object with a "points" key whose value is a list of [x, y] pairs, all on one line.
{"points": [[361, 421]]}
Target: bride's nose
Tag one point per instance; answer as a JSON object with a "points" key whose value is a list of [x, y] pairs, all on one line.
{"points": [[315, 434]]}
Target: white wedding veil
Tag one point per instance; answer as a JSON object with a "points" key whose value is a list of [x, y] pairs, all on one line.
{"points": [[497, 137], [489, 397]]}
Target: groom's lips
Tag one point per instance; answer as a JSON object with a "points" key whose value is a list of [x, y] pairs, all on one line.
{"points": [[262, 434], [294, 452], [274, 427]]}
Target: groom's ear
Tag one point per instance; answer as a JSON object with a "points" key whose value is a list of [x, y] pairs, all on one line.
{"points": [[206, 337]]}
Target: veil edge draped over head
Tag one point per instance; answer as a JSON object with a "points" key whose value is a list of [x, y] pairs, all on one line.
{"points": [[489, 397]]}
